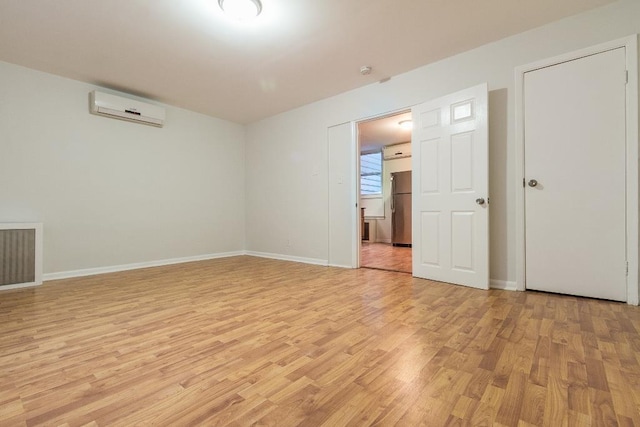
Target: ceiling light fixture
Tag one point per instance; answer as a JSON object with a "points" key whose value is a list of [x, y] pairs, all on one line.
{"points": [[406, 124], [241, 10]]}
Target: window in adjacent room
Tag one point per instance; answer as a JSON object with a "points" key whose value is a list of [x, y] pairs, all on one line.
{"points": [[371, 174]]}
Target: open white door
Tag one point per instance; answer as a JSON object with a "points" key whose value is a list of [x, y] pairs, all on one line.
{"points": [[450, 189]]}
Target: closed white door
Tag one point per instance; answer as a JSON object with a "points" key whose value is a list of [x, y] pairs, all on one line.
{"points": [[574, 148], [450, 189]]}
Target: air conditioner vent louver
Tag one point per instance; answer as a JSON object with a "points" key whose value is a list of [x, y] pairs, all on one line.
{"points": [[20, 255]]}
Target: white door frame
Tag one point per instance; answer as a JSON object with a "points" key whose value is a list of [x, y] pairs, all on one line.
{"points": [[358, 238], [631, 45], [354, 194]]}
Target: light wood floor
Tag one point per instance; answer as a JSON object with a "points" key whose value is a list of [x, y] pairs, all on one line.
{"points": [[385, 256], [247, 341]]}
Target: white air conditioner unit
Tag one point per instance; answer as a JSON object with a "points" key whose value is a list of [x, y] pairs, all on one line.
{"points": [[397, 151], [117, 107]]}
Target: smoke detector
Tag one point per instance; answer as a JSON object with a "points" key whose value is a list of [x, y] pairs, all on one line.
{"points": [[365, 70]]}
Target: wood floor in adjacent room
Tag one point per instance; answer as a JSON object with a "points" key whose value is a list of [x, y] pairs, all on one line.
{"points": [[247, 341], [385, 256]]}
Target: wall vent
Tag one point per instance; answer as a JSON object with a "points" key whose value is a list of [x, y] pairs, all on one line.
{"points": [[20, 255]]}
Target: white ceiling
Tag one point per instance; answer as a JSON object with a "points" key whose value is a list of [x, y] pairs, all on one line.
{"points": [[186, 53], [378, 133]]}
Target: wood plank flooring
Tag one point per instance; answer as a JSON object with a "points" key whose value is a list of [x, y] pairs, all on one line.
{"points": [[246, 341], [385, 256]]}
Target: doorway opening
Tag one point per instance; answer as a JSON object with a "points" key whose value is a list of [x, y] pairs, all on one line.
{"points": [[384, 192], [450, 212]]}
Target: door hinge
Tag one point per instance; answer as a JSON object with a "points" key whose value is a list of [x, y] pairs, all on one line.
{"points": [[626, 77], [626, 270], [524, 184]]}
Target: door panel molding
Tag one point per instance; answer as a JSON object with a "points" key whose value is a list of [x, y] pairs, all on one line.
{"points": [[632, 227]]}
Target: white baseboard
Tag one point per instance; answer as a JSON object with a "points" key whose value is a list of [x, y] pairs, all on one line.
{"points": [[493, 283], [20, 286], [281, 257], [502, 284], [137, 265], [339, 266]]}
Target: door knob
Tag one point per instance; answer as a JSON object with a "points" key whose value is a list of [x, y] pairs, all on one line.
{"points": [[533, 183], [480, 201]]}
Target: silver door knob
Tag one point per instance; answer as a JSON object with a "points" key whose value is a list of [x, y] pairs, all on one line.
{"points": [[533, 183], [480, 201]]}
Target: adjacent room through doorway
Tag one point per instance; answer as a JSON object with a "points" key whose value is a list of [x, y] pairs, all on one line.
{"points": [[385, 192]]}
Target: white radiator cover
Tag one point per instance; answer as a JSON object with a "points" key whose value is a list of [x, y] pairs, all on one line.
{"points": [[20, 255]]}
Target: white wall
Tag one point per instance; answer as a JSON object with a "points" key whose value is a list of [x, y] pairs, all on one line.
{"points": [[373, 206], [286, 169], [287, 182], [111, 192]]}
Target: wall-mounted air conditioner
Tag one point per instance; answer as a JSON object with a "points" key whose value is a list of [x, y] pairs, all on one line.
{"points": [[397, 151], [117, 107]]}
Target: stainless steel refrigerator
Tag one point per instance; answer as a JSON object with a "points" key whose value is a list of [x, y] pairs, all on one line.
{"points": [[401, 208]]}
